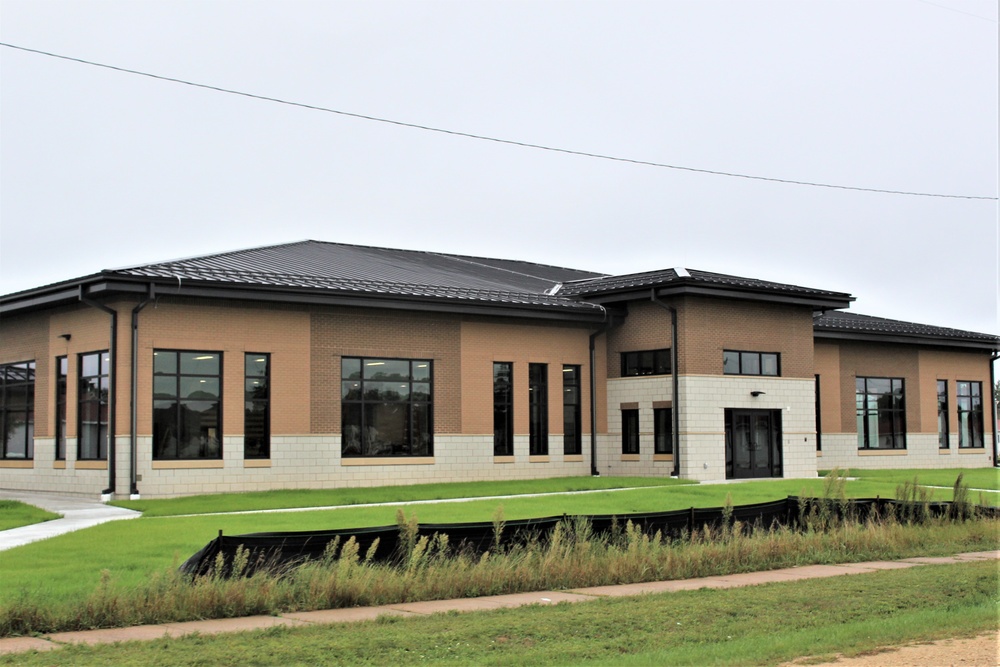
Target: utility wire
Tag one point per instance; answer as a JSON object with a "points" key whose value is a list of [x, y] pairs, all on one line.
{"points": [[480, 137]]}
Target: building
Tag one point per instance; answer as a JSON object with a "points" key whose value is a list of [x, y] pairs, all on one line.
{"points": [[311, 365]]}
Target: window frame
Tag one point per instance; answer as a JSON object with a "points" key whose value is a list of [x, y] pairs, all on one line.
{"points": [[866, 412], [367, 408], [251, 401], [745, 359], [85, 404], [503, 408], [660, 363], [572, 410], [538, 409], [973, 427], [28, 411], [663, 430], [216, 441], [630, 430], [62, 389], [944, 430]]}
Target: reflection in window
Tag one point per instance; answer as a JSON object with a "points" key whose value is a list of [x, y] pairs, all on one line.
{"points": [[942, 401], [92, 401], [17, 409], [503, 408], [646, 362], [257, 406], [750, 363], [187, 395], [881, 413], [572, 440], [538, 410], [970, 414], [630, 431], [62, 370], [386, 407], [663, 431]]}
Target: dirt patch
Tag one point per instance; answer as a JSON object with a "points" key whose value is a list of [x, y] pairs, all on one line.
{"points": [[981, 651]]}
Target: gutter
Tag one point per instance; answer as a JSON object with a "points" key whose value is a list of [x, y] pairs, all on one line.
{"points": [[675, 411], [133, 395], [606, 326], [112, 392], [993, 408]]}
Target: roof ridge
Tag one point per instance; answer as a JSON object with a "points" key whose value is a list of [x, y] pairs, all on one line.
{"points": [[224, 253]]}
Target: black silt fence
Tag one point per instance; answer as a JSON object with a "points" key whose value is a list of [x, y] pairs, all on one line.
{"points": [[280, 551]]}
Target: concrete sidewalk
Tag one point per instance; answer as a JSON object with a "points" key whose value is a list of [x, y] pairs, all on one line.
{"points": [[77, 513], [412, 609]]}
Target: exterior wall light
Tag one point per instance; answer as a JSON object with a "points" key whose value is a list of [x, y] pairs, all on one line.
{"points": [[755, 394]]}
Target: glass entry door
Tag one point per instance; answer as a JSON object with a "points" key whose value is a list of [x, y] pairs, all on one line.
{"points": [[753, 443]]}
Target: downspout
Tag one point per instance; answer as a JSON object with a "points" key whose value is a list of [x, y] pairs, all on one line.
{"points": [[112, 390], [593, 394], [675, 412], [134, 394], [993, 407]]}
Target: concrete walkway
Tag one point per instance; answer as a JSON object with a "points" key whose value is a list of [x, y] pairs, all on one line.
{"points": [[77, 513], [414, 609]]}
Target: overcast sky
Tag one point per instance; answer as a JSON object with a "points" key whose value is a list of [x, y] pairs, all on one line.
{"points": [[102, 169]]}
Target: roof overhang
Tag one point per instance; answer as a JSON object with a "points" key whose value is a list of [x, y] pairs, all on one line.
{"points": [[907, 339], [108, 287], [815, 301]]}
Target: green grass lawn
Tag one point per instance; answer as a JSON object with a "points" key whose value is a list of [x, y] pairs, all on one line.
{"points": [[70, 566], [14, 514], [974, 478], [298, 498], [761, 625]]}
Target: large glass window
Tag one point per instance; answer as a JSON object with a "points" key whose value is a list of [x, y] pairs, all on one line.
{"points": [[970, 414], [386, 407], [187, 405], [257, 406], [503, 408], [646, 362], [750, 363], [663, 431], [881, 412], [630, 431], [17, 409], [92, 400], [62, 370], [538, 409], [942, 401], [572, 440]]}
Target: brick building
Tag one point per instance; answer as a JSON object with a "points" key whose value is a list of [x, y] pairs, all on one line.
{"points": [[311, 365]]}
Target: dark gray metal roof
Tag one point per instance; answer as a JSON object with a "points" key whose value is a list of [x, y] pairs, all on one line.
{"points": [[667, 278], [838, 324], [321, 264]]}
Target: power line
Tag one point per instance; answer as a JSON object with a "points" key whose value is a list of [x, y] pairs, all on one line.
{"points": [[480, 137]]}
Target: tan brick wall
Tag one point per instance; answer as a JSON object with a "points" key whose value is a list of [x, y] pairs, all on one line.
{"points": [[840, 362], [951, 365], [26, 338], [354, 332], [707, 326], [484, 342], [859, 359], [233, 329]]}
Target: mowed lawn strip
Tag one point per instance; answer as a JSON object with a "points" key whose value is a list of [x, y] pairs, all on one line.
{"points": [[70, 566], [760, 625], [297, 498], [974, 478], [14, 514]]}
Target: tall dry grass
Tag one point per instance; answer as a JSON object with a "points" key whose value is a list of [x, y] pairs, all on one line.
{"points": [[572, 556]]}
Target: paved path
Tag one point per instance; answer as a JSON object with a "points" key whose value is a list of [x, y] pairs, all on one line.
{"points": [[77, 513], [412, 609]]}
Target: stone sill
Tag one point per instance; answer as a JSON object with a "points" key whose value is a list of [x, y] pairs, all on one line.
{"points": [[188, 464], [389, 461]]}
